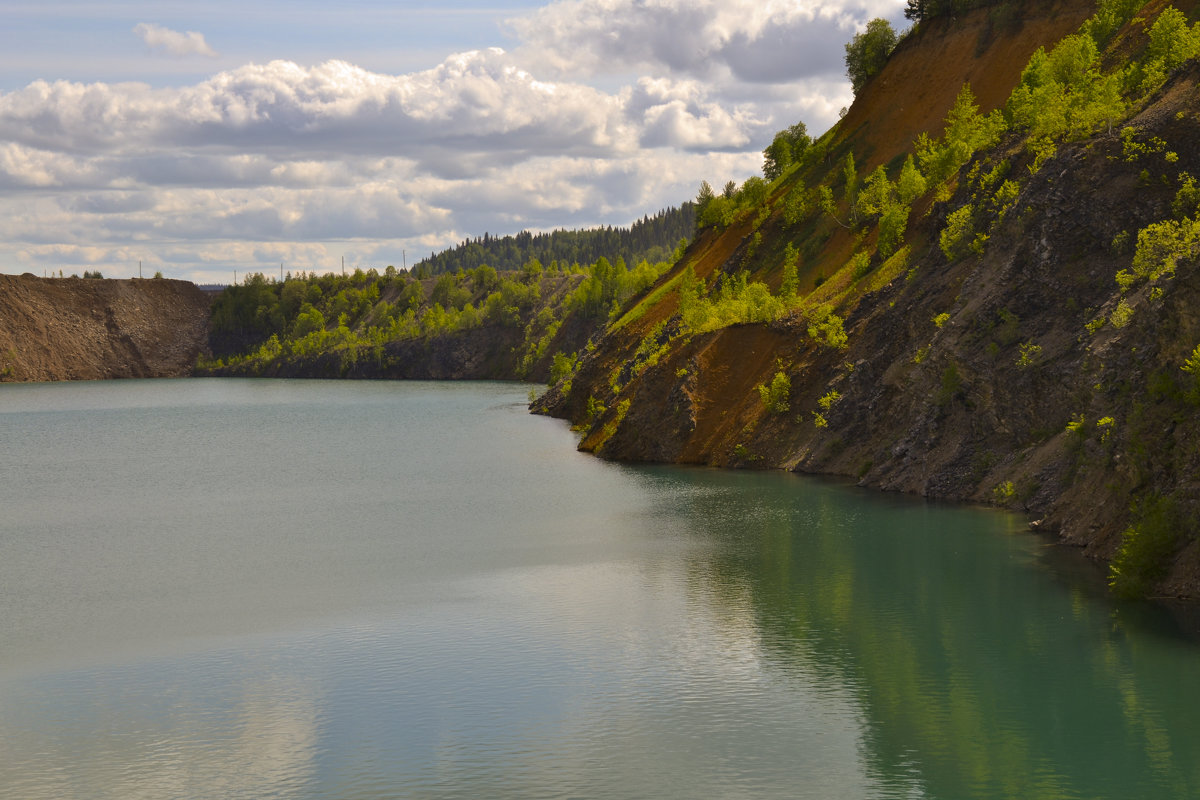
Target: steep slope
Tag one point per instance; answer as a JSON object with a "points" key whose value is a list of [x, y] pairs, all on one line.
{"points": [[995, 357], [82, 329]]}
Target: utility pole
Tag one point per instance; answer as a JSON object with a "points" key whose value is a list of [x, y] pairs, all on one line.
{"points": [[404, 259], [235, 277]]}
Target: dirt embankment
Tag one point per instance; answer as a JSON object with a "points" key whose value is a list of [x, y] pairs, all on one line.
{"points": [[55, 329]]}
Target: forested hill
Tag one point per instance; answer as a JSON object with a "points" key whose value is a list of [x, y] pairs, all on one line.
{"points": [[651, 239]]}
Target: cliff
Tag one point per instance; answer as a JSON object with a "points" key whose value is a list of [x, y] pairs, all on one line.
{"points": [[1012, 351], [81, 329]]}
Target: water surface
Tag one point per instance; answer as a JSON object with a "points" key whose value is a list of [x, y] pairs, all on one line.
{"points": [[308, 589]]}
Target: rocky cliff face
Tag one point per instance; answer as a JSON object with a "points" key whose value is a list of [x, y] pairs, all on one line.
{"points": [[1020, 374], [83, 329]]}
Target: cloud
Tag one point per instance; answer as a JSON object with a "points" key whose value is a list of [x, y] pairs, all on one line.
{"points": [[756, 41], [173, 43], [605, 111]]}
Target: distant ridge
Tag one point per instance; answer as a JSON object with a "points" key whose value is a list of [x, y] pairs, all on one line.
{"points": [[651, 238]]}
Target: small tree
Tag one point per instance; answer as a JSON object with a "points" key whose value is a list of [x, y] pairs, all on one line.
{"points": [[790, 284], [868, 51], [785, 149], [775, 397]]}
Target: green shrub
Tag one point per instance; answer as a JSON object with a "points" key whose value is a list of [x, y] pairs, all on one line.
{"points": [[1160, 246], [776, 396], [1192, 367], [825, 328], [1122, 315], [958, 233], [1030, 353], [1146, 547], [951, 385], [562, 369], [829, 399], [1004, 493]]}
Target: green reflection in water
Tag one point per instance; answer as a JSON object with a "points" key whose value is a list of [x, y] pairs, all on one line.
{"points": [[983, 671]]}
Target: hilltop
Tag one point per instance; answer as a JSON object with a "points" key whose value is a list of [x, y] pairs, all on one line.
{"points": [[980, 285]]}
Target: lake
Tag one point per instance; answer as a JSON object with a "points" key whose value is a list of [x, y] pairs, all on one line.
{"points": [[321, 589]]}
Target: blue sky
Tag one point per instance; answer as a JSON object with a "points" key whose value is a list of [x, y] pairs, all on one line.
{"points": [[199, 138]]}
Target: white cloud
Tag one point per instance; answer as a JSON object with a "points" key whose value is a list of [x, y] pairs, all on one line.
{"points": [[280, 161], [751, 40], [173, 43]]}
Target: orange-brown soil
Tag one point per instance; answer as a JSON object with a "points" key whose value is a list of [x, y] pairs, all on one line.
{"points": [[81, 329]]}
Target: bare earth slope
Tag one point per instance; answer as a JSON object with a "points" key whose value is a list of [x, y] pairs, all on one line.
{"points": [[83, 329], [1022, 376]]}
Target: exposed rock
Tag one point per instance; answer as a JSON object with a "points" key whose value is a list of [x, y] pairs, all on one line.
{"points": [[81, 328]]}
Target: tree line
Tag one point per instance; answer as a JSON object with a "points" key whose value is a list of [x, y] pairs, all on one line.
{"points": [[652, 239]]}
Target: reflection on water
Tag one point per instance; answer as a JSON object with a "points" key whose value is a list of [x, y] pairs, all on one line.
{"points": [[323, 589]]}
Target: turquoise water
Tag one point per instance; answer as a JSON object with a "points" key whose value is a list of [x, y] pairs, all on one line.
{"points": [[309, 589]]}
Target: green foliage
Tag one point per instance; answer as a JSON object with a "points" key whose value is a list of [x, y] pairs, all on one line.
{"points": [[736, 301], [651, 238], [785, 149], [799, 204], [911, 184], [776, 396], [941, 319], [562, 370], [958, 233], [825, 328], [850, 185], [1192, 367], [1109, 18], [1077, 427], [1030, 353], [1004, 493], [790, 283], [1172, 42], [951, 385], [868, 51], [1146, 547], [892, 225], [1122, 315], [449, 293], [720, 211], [1064, 95], [1187, 199], [309, 320], [1160, 247], [593, 411], [859, 265], [92, 274], [966, 132]]}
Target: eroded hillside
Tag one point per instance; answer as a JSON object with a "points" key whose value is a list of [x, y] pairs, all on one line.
{"points": [[1022, 329], [82, 328]]}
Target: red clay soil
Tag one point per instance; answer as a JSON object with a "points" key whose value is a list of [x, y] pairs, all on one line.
{"points": [[85, 329], [732, 364], [922, 80]]}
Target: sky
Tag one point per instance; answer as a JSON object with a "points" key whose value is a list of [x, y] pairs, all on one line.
{"points": [[203, 138]]}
